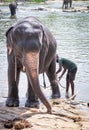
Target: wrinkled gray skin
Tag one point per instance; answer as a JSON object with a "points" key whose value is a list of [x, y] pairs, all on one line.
{"points": [[66, 3], [31, 47]]}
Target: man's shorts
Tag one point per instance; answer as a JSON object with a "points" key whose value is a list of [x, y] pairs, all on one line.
{"points": [[71, 74]]}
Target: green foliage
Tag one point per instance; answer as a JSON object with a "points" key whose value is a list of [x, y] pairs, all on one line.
{"points": [[8, 0], [37, 1]]}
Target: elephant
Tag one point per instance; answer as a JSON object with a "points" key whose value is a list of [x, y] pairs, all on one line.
{"points": [[31, 48], [65, 4], [13, 7]]}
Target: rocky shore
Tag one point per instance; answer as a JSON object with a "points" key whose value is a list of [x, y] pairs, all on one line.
{"points": [[66, 115]]}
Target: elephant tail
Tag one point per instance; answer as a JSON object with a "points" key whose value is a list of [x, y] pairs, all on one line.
{"points": [[15, 68], [44, 81]]}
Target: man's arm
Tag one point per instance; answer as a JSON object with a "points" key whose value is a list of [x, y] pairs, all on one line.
{"points": [[62, 74], [59, 70]]}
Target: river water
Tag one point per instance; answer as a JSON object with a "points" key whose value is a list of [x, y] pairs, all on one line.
{"points": [[71, 30]]}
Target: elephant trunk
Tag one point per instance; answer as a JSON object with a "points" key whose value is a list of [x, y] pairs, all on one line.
{"points": [[31, 63]]}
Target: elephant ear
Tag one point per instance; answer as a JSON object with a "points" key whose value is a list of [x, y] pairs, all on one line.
{"points": [[9, 30], [9, 40], [44, 35]]}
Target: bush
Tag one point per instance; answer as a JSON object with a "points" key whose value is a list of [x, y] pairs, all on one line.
{"points": [[8, 0], [37, 1]]}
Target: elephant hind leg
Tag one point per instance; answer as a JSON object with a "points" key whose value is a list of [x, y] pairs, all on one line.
{"points": [[31, 63], [51, 73]]}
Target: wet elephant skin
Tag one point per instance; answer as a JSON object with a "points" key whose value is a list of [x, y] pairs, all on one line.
{"points": [[31, 48]]}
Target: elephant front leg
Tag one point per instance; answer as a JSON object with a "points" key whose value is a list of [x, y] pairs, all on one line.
{"points": [[70, 2], [32, 99], [51, 73], [13, 99]]}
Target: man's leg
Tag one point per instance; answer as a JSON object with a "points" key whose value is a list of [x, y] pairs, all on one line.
{"points": [[72, 86], [72, 78], [67, 88], [67, 85]]}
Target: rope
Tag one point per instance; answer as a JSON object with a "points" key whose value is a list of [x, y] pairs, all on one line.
{"points": [[15, 68]]}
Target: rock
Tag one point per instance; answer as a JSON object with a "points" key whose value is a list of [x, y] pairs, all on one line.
{"points": [[64, 116]]}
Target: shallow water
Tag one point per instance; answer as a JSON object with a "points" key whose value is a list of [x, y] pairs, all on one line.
{"points": [[71, 31]]}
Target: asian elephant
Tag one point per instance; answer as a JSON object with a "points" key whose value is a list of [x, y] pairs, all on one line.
{"points": [[13, 7], [65, 4], [31, 48]]}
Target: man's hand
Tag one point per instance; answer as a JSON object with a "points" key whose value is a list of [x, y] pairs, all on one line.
{"points": [[60, 78], [62, 74]]}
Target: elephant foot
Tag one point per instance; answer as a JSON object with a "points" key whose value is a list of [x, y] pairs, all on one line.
{"points": [[56, 92], [12, 102], [55, 96], [34, 104]]}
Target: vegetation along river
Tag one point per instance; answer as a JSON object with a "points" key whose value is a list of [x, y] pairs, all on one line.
{"points": [[71, 30]]}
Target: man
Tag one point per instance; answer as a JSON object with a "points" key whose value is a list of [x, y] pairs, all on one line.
{"points": [[70, 77]]}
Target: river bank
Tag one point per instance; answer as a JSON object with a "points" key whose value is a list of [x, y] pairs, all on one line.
{"points": [[66, 115]]}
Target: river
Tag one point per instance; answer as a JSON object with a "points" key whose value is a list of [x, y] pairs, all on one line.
{"points": [[71, 30]]}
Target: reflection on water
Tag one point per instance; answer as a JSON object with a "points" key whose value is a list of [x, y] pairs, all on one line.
{"points": [[71, 31]]}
